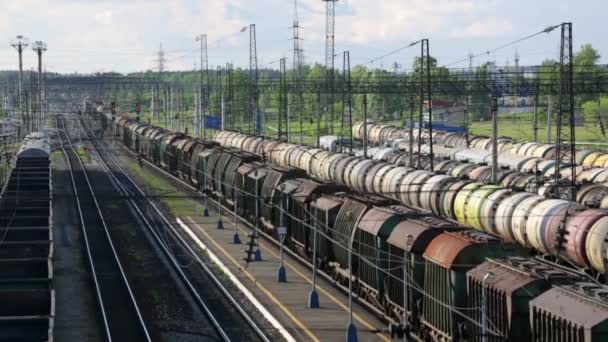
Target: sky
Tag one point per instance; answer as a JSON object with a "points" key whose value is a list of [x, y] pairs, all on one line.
{"points": [[87, 36]]}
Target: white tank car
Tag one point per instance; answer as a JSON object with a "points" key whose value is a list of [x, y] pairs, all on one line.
{"points": [[35, 145]]}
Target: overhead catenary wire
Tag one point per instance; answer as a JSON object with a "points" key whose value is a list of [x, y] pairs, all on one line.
{"points": [[490, 51]]}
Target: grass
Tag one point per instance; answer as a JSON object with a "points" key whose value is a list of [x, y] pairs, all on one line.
{"points": [[308, 128], [523, 130], [84, 156], [516, 126], [160, 187]]}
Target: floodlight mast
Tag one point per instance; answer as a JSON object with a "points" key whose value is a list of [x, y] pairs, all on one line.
{"points": [[20, 43], [39, 47]]}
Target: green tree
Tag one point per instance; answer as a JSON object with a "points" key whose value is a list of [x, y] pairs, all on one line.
{"points": [[480, 102], [585, 68]]}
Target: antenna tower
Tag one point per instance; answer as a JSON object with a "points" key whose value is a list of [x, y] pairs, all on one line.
{"points": [[297, 105], [161, 60], [566, 140], [253, 78]]}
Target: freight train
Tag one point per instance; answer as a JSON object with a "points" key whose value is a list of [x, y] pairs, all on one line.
{"points": [[419, 271], [521, 173], [26, 246], [398, 137]]}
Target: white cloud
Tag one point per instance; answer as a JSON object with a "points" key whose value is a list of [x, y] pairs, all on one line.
{"points": [[124, 35], [365, 26], [399, 20], [487, 27]]}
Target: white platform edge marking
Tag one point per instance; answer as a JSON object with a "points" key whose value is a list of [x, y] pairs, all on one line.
{"points": [[273, 321]]}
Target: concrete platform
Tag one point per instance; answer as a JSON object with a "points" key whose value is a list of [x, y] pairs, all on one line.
{"points": [[286, 301]]}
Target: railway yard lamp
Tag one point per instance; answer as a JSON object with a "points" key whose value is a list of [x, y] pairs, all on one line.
{"points": [[351, 328], [235, 238], [220, 224], [205, 210], [313, 297], [258, 254], [282, 232]]}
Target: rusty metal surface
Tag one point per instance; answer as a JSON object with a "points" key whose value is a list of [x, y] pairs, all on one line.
{"points": [[327, 203], [577, 229], [304, 192], [419, 234], [445, 249], [245, 169], [373, 220], [513, 273], [582, 304]]}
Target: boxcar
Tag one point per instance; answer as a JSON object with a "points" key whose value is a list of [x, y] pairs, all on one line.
{"points": [[447, 259], [515, 282], [576, 312]]}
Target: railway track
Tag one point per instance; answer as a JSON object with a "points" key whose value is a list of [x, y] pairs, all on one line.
{"points": [[122, 319], [212, 298]]}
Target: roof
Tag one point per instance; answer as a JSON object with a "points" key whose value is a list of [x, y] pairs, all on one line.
{"points": [[421, 235], [442, 104], [326, 203], [306, 189], [460, 249], [575, 304], [513, 273], [377, 218]]}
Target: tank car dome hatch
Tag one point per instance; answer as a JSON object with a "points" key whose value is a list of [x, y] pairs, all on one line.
{"points": [[34, 149], [35, 136]]}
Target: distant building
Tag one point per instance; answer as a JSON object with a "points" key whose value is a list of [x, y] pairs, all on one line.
{"points": [[447, 115]]}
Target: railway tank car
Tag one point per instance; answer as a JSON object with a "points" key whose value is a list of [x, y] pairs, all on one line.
{"points": [[439, 255], [385, 134], [522, 173]]}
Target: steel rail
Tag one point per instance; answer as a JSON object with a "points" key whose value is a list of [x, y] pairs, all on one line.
{"points": [[98, 287], [141, 195]]}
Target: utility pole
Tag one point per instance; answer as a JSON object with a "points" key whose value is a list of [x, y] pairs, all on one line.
{"points": [[365, 125], [195, 113], [494, 110], [229, 107], [330, 26], [425, 95], [298, 107], [21, 43], [565, 134], [282, 102], [549, 107], [253, 78], [318, 119], [411, 133], [535, 117], [347, 100], [220, 96], [468, 103], [39, 47], [202, 38], [151, 113]]}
